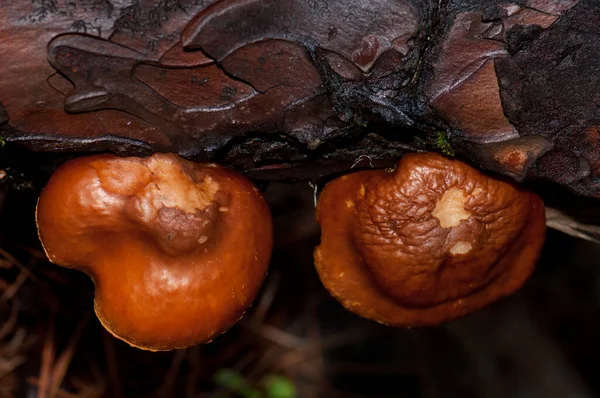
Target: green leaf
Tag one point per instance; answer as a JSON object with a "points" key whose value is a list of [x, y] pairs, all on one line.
{"points": [[229, 379], [276, 386], [236, 382]]}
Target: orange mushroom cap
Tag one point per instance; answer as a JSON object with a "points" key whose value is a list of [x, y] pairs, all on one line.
{"points": [[429, 242], [177, 250]]}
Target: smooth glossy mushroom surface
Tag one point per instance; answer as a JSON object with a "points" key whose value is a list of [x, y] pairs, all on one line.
{"points": [[177, 250], [426, 243]]}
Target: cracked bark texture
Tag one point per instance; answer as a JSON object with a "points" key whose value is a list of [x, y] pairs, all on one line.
{"points": [[300, 89]]}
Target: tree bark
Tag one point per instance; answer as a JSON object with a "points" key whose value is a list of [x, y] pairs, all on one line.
{"points": [[302, 89]]}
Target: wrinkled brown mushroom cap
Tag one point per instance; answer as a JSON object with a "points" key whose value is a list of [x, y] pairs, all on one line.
{"points": [[177, 250], [429, 242]]}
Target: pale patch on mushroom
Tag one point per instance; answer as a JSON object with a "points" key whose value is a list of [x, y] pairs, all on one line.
{"points": [[174, 188], [461, 247], [450, 209]]}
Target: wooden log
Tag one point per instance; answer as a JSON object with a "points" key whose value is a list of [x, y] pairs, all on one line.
{"points": [[301, 89]]}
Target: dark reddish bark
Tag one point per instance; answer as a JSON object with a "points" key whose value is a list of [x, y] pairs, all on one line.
{"points": [[294, 89]]}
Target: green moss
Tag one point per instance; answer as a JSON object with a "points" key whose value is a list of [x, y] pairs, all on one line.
{"points": [[442, 143]]}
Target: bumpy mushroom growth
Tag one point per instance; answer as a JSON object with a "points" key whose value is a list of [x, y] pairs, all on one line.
{"points": [[427, 243], [177, 250]]}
